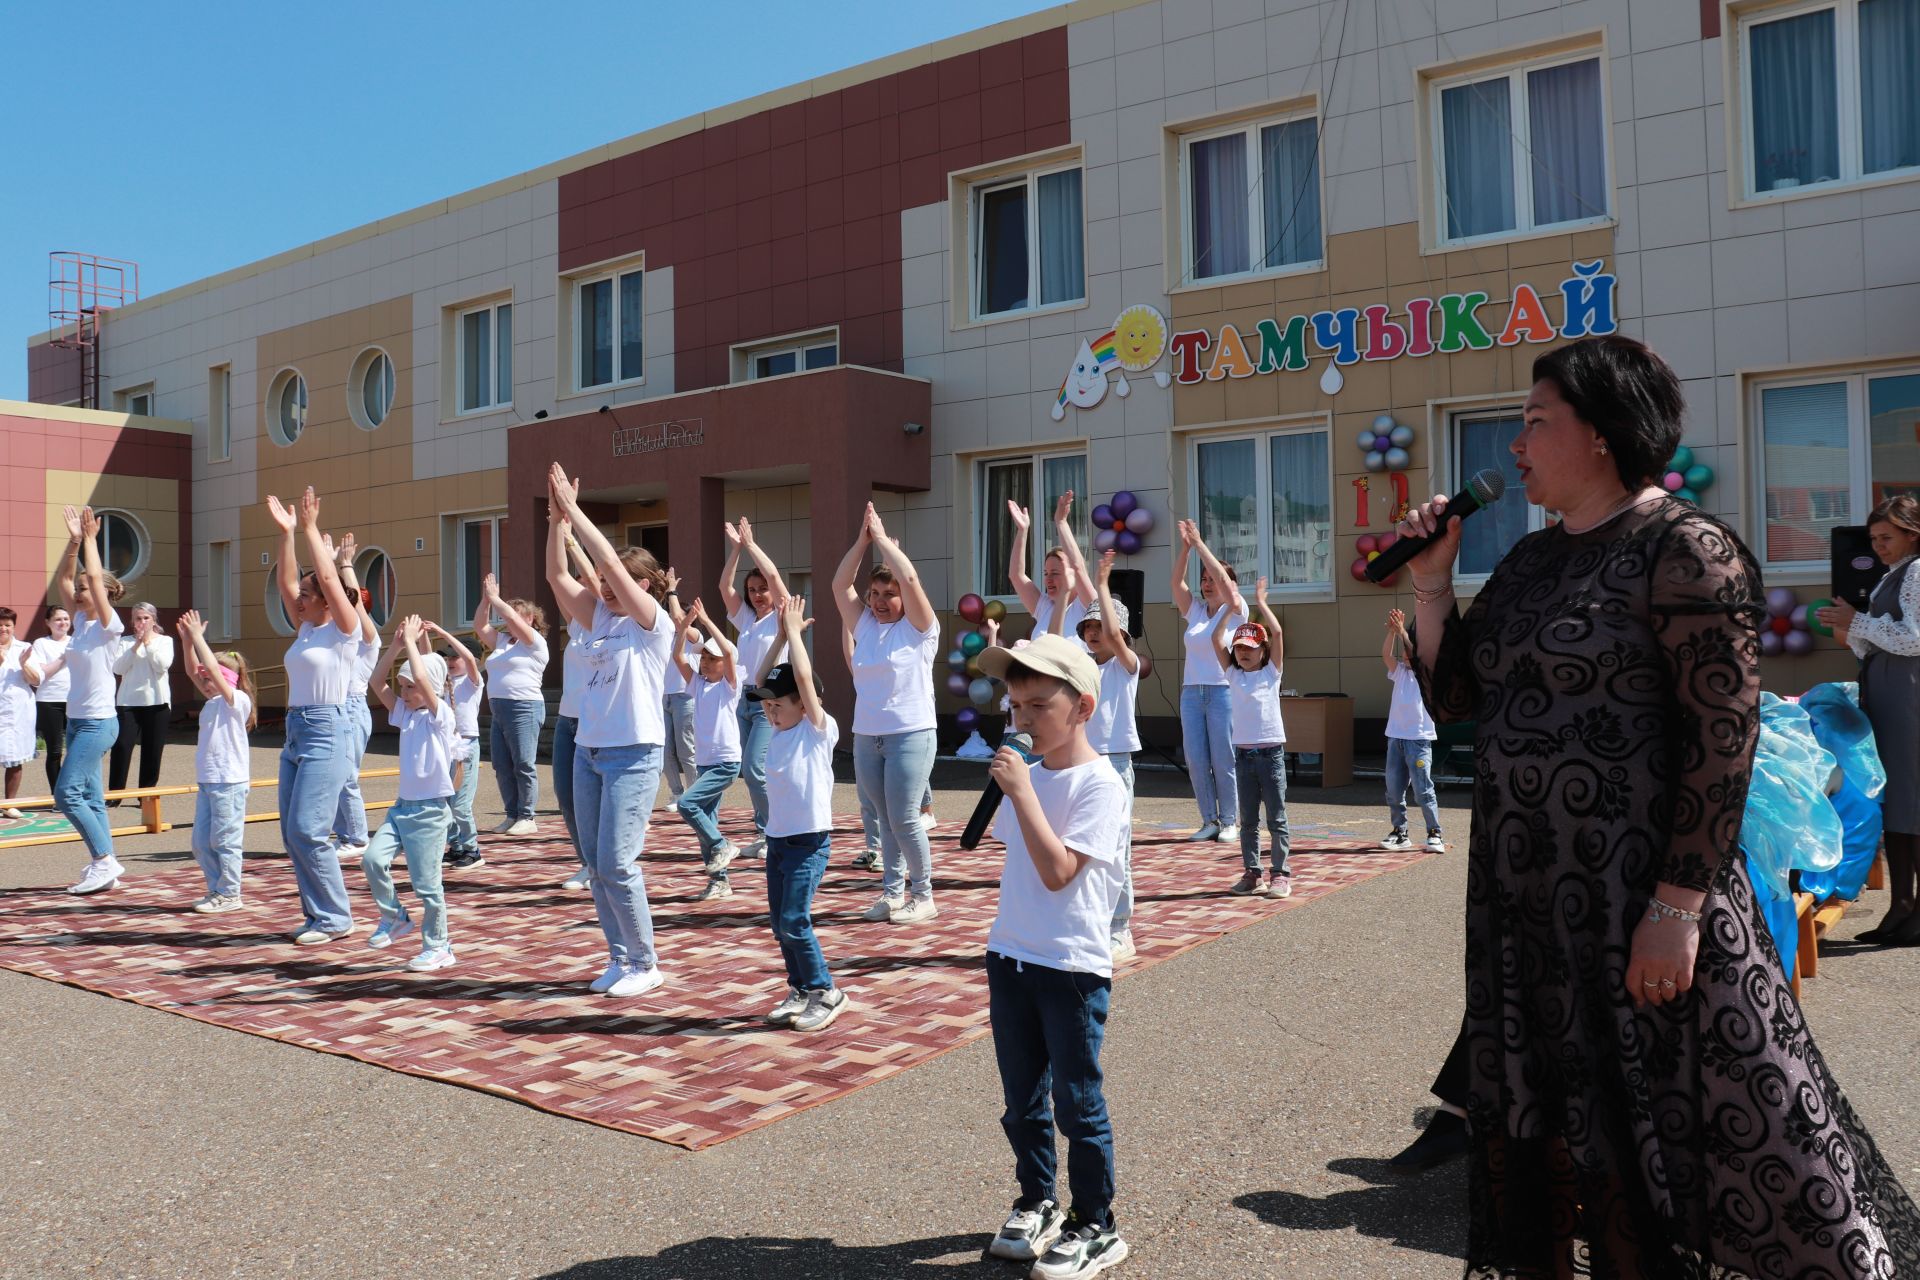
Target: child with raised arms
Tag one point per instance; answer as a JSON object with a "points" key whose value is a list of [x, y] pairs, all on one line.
{"points": [[1252, 665], [716, 734], [222, 764]]}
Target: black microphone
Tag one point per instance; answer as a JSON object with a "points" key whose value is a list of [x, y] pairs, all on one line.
{"points": [[1483, 490], [991, 797]]}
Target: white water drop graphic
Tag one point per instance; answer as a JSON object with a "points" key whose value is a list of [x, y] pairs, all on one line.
{"points": [[1332, 380]]}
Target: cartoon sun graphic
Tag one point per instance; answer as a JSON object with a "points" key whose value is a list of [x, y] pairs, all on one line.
{"points": [[1140, 339]]}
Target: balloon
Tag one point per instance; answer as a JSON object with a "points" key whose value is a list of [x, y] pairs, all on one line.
{"points": [[1398, 459], [1358, 569], [972, 643], [1367, 542], [996, 610], [1699, 476], [1123, 503], [967, 718], [1385, 541], [1140, 520], [981, 691], [1770, 643], [1146, 665], [956, 657], [1383, 443], [1687, 495], [1402, 437], [1780, 626], [1682, 459], [973, 668], [1126, 542], [1376, 461], [1372, 556], [1365, 439], [957, 684], [1798, 617], [1798, 642], [1814, 624], [1780, 601], [1673, 481], [1103, 540], [973, 608], [1383, 424], [1103, 516]]}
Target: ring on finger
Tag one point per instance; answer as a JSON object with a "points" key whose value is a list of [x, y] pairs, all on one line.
{"points": [[1668, 984], [1649, 983]]}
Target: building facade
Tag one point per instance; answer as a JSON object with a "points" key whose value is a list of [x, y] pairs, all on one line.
{"points": [[1205, 251]]}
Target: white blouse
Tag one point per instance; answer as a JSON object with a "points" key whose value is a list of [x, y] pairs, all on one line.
{"points": [[1897, 636], [143, 671], [53, 688]]}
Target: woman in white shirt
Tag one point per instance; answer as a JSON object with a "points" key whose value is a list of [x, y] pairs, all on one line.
{"points": [[516, 665], [89, 595], [754, 611], [50, 687], [18, 675], [616, 754], [350, 818], [1063, 566], [1206, 718], [318, 751], [142, 660], [891, 638], [566, 724]]}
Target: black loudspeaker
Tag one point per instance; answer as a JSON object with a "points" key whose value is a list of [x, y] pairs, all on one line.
{"points": [[1129, 587], [1856, 570]]}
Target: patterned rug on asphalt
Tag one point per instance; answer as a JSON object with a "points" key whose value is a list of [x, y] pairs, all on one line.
{"points": [[690, 1064]]}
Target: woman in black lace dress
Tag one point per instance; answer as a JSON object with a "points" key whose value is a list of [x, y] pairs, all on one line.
{"points": [[1646, 1100]]}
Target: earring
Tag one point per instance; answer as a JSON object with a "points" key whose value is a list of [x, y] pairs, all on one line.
{"points": [[1603, 451]]}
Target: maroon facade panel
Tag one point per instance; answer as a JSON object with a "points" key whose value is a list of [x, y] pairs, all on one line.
{"points": [[790, 219]]}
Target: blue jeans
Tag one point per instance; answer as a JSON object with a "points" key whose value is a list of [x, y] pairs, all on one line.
{"points": [[870, 821], [1122, 762], [755, 735], [679, 765], [515, 746], [1411, 760], [312, 766], [350, 820], [219, 833], [79, 794], [1048, 1025], [417, 828], [1263, 779], [564, 728], [891, 771], [794, 867], [1206, 734], [463, 834], [699, 802], [613, 791]]}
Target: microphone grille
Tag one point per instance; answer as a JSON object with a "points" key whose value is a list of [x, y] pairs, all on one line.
{"points": [[1486, 486], [1023, 743]]}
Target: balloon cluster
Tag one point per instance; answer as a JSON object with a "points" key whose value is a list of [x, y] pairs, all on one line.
{"points": [[963, 670], [1684, 478], [1790, 625], [1370, 545], [1119, 523], [1386, 443]]}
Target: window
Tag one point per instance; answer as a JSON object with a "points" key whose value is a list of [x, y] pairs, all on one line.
{"points": [[771, 364], [370, 388], [375, 573], [1265, 504], [1028, 238], [1480, 441], [276, 607], [135, 400], [1000, 480], [287, 406], [1521, 149], [483, 357], [479, 555], [607, 331], [1250, 198], [124, 545], [219, 578], [1831, 93], [1830, 447], [220, 413]]}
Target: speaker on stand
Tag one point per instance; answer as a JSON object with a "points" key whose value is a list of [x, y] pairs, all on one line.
{"points": [[1129, 587], [1856, 570]]}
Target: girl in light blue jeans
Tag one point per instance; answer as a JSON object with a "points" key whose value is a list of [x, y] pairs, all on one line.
{"points": [[222, 763], [516, 662], [89, 593], [1206, 714]]}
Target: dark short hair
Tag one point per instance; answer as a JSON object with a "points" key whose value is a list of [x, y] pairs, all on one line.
{"points": [[1626, 392], [8, 615], [52, 609]]}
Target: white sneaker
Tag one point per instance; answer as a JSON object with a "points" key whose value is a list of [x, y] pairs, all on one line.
{"points": [[1396, 840], [581, 879], [350, 852], [718, 887], [1229, 833], [758, 849], [432, 958], [501, 828], [721, 857], [1123, 946], [636, 982], [312, 937], [915, 911], [524, 827], [1436, 842], [101, 875], [1029, 1233], [389, 932], [218, 904], [1280, 886], [788, 1009], [1211, 831], [201, 904], [822, 1008], [614, 973], [927, 821], [883, 908], [11, 814]]}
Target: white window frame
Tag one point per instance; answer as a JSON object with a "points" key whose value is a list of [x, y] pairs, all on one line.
{"points": [[977, 190], [1851, 131], [220, 590], [220, 413], [1263, 503], [1454, 474], [143, 541], [1519, 125], [460, 314], [797, 347], [1040, 536], [612, 274], [1859, 457], [459, 606], [356, 388], [276, 431], [124, 397], [1256, 211], [361, 560], [275, 604]]}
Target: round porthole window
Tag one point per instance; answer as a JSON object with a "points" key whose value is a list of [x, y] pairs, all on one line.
{"points": [[124, 545], [276, 607], [287, 406], [370, 387], [375, 573]]}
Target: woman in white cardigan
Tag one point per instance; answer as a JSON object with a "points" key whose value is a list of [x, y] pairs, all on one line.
{"points": [[143, 662]]}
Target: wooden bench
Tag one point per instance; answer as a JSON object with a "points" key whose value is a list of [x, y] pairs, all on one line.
{"points": [[1816, 918], [151, 821]]}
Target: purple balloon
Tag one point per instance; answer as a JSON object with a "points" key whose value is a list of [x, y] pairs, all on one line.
{"points": [[957, 684], [1798, 642], [1123, 504], [1382, 443], [1102, 516], [1798, 617], [1140, 520], [1126, 542], [967, 718], [1104, 539], [1770, 643], [1780, 601]]}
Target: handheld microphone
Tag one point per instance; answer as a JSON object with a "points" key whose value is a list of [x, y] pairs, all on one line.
{"points": [[1483, 490], [991, 797]]}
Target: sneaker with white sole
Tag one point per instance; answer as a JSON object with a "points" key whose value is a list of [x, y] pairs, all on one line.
{"points": [[757, 849], [350, 852], [101, 875], [1396, 840], [581, 879], [867, 860], [788, 1009], [1249, 882], [822, 1008], [915, 911], [718, 888], [883, 908], [465, 859], [501, 828], [218, 904], [615, 971], [312, 937], [11, 814], [1029, 1232], [1229, 833], [636, 982], [432, 958], [927, 821], [721, 857], [388, 932], [1123, 946], [1280, 886], [1436, 842], [1210, 831], [524, 827], [201, 904], [1083, 1249]]}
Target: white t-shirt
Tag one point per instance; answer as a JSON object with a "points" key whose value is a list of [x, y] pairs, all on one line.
{"points": [[800, 778], [620, 704], [1043, 616], [17, 717], [223, 755], [1407, 718], [716, 724], [320, 665], [52, 688], [573, 670], [677, 683], [1066, 928], [1203, 667], [90, 659], [1113, 728], [756, 637], [1254, 699], [892, 675], [514, 668], [466, 704], [366, 656], [429, 747]]}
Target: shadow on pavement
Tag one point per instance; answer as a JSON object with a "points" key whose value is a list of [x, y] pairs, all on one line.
{"points": [[1425, 1211], [720, 1258]]}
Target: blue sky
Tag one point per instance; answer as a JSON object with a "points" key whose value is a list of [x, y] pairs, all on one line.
{"points": [[194, 138]]}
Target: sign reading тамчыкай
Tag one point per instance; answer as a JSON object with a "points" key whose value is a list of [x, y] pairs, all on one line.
{"points": [[679, 434]]}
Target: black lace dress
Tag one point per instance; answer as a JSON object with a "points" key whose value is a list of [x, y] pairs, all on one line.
{"points": [[1615, 678]]}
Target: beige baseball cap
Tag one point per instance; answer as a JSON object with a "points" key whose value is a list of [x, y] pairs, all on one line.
{"points": [[1049, 655]]}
